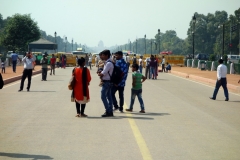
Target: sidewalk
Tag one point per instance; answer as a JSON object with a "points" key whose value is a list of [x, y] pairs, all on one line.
{"points": [[9, 76], [207, 77]]}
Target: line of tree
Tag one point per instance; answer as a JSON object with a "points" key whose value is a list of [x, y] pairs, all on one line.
{"points": [[208, 37], [17, 31]]}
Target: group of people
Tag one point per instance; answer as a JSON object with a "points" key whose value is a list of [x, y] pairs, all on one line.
{"points": [[106, 68]]}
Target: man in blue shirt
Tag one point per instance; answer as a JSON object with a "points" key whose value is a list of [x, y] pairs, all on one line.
{"points": [[120, 87], [14, 57]]}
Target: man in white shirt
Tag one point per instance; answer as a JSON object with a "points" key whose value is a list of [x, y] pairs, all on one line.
{"points": [[27, 72], [140, 63], [221, 80], [106, 94], [90, 61], [163, 64]]}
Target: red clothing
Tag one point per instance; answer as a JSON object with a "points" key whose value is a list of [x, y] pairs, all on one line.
{"points": [[52, 60], [78, 87]]}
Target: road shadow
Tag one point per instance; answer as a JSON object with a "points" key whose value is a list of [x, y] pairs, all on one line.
{"points": [[42, 91], [162, 79], [24, 156], [150, 114], [122, 117]]}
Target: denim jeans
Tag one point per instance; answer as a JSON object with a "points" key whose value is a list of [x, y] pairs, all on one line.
{"points": [[140, 69], [121, 97], [137, 93], [218, 85], [106, 96], [153, 72], [14, 64]]}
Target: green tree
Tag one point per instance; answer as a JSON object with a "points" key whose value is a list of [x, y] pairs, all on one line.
{"points": [[19, 31]]}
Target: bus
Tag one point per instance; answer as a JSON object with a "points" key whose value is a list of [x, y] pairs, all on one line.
{"points": [[79, 53]]}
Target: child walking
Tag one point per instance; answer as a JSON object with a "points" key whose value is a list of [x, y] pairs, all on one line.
{"points": [[138, 79], [3, 66]]}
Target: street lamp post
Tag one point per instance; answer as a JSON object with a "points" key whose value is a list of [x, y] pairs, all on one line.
{"points": [[136, 46], [145, 44], [55, 34], [151, 46], [223, 30], [65, 44], [159, 41], [72, 44], [130, 47], [194, 22]]}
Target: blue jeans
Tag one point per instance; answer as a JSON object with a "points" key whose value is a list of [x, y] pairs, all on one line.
{"points": [[137, 93], [14, 64], [106, 96], [218, 85], [140, 69], [153, 72]]}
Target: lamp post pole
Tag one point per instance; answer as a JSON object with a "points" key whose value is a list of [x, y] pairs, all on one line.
{"points": [[55, 34], [151, 47], [130, 47], [72, 44], [223, 30], [65, 44], [159, 41], [145, 44], [136, 46], [193, 21]]}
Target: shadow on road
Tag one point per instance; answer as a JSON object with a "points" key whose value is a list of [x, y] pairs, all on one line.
{"points": [[121, 117], [25, 156], [42, 91], [150, 114]]}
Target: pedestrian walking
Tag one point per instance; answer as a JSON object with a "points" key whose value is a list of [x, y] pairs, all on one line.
{"points": [[96, 60], [57, 60], [90, 61], [137, 80], [3, 66], [147, 70], [52, 64], [86, 60], [64, 61], [81, 91], [153, 66], [120, 62], [27, 72], [221, 80], [163, 64], [44, 63], [140, 63], [14, 58], [106, 95], [134, 59]]}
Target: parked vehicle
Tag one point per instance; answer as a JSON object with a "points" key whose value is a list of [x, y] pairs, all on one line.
{"points": [[233, 58], [202, 56]]}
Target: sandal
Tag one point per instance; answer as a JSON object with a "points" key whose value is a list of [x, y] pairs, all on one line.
{"points": [[78, 115], [83, 115]]}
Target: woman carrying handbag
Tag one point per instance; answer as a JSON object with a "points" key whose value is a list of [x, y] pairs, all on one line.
{"points": [[80, 89]]}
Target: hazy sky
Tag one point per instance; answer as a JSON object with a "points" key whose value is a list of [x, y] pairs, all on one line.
{"points": [[113, 21]]}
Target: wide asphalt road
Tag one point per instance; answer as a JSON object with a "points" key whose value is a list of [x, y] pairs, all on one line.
{"points": [[180, 123]]}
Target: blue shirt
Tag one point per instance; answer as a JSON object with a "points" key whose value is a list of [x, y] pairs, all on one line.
{"points": [[123, 66], [14, 56]]}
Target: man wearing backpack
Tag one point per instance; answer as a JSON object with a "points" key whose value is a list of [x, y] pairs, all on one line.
{"points": [[120, 86], [106, 74]]}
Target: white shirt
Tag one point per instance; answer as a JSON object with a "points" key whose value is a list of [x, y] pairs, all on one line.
{"points": [[107, 69], [28, 62], [90, 59], [140, 62], [127, 59], [221, 71], [163, 61], [147, 61]]}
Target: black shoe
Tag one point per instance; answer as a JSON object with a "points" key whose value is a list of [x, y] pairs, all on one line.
{"points": [[107, 114], [19, 90], [212, 98], [28, 90], [121, 111], [115, 108], [226, 99]]}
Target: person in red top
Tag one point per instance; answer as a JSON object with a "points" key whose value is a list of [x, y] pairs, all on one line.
{"points": [[52, 64]]}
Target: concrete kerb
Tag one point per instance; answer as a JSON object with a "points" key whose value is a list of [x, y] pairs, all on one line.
{"points": [[233, 88], [13, 79]]}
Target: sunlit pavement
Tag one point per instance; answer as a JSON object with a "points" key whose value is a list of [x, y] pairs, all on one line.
{"points": [[180, 122]]}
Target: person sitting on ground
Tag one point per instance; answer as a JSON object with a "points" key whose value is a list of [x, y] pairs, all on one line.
{"points": [[168, 67], [137, 80], [80, 90]]}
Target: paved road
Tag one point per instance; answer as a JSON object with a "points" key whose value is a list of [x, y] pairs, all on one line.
{"points": [[181, 123]]}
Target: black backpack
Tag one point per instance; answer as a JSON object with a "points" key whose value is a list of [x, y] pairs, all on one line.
{"points": [[134, 60], [117, 75]]}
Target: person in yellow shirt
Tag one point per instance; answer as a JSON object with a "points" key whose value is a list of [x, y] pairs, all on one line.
{"points": [[57, 60]]}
